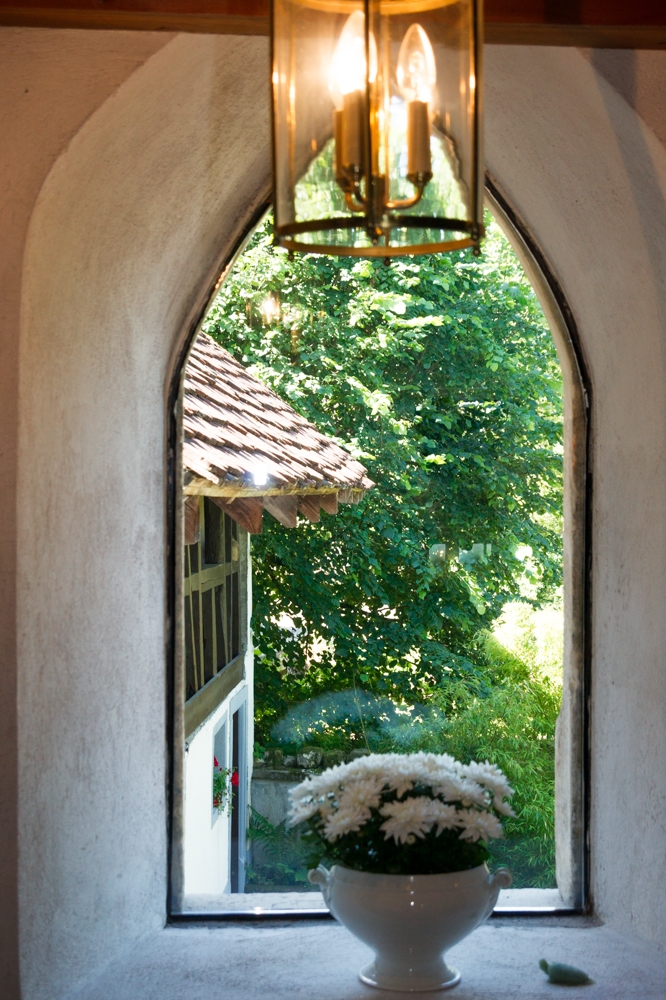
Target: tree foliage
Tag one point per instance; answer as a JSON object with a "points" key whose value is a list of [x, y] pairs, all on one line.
{"points": [[440, 375]]}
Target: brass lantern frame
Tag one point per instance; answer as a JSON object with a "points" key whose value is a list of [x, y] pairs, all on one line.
{"points": [[378, 212]]}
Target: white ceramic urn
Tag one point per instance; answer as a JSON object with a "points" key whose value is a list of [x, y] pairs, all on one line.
{"points": [[410, 921]]}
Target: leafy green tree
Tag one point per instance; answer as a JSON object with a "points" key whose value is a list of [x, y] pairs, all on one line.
{"points": [[440, 375]]}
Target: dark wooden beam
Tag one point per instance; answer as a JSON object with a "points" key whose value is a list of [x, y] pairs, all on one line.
{"points": [[624, 24], [309, 507], [245, 511], [329, 502], [218, 17], [212, 694], [191, 519], [283, 509], [589, 23]]}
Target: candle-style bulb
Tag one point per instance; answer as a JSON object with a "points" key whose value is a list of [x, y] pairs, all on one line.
{"points": [[416, 70], [417, 75], [348, 65], [347, 87]]}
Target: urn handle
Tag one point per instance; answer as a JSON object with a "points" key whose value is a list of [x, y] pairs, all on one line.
{"points": [[500, 879], [320, 876]]}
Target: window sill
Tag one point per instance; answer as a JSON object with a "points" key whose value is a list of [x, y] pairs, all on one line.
{"points": [[287, 959], [311, 904]]}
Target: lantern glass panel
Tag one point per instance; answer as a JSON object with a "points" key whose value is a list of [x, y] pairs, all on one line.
{"points": [[377, 125]]}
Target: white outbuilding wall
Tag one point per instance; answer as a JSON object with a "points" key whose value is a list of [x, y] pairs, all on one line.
{"points": [[130, 165], [207, 839]]}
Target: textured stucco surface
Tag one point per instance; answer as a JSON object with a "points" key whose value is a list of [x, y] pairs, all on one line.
{"points": [[130, 228], [500, 961], [157, 152], [589, 177], [50, 83]]}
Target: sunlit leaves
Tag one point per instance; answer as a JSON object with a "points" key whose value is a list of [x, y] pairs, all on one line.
{"points": [[440, 374]]}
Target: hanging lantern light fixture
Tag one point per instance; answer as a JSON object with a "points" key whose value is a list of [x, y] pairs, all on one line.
{"points": [[377, 125]]}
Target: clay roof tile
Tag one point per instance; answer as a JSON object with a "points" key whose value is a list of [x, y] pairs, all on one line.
{"points": [[234, 425]]}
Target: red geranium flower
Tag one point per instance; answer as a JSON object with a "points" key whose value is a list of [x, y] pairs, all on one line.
{"points": [[215, 762], [234, 779]]}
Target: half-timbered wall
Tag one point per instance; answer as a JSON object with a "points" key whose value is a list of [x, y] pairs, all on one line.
{"points": [[218, 701]]}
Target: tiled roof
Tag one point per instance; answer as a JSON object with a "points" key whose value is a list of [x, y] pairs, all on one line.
{"points": [[240, 439]]}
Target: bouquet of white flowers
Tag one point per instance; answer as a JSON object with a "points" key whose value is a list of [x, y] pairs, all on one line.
{"points": [[403, 814]]}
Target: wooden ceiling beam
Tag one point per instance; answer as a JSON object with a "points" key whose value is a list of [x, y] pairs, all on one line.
{"points": [[350, 496], [309, 507], [216, 17], [588, 23], [329, 502], [624, 24], [191, 519], [283, 509], [247, 513]]}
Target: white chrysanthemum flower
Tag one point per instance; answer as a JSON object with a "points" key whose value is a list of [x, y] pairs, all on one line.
{"points": [[442, 783], [479, 825], [365, 793], [447, 817], [407, 818], [449, 787], [490, 776], [345, 797], [302, 812], [344, 821]]}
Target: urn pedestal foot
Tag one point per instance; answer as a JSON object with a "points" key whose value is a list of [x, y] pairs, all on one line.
{"points": [[410, 921], [441, 978]]}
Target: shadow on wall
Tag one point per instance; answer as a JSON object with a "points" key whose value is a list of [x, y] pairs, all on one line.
{"points": [[128, 236]]}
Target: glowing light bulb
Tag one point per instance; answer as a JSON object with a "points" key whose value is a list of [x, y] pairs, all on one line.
{"points": [[348, 65], [416, 70], [417, 75], [347, 87]]}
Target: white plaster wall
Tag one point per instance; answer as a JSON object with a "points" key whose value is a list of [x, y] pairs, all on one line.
{"points": [[589, 177], [206, 831], [50, 83], [202, 873], [147, 193], [130, 227]]}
